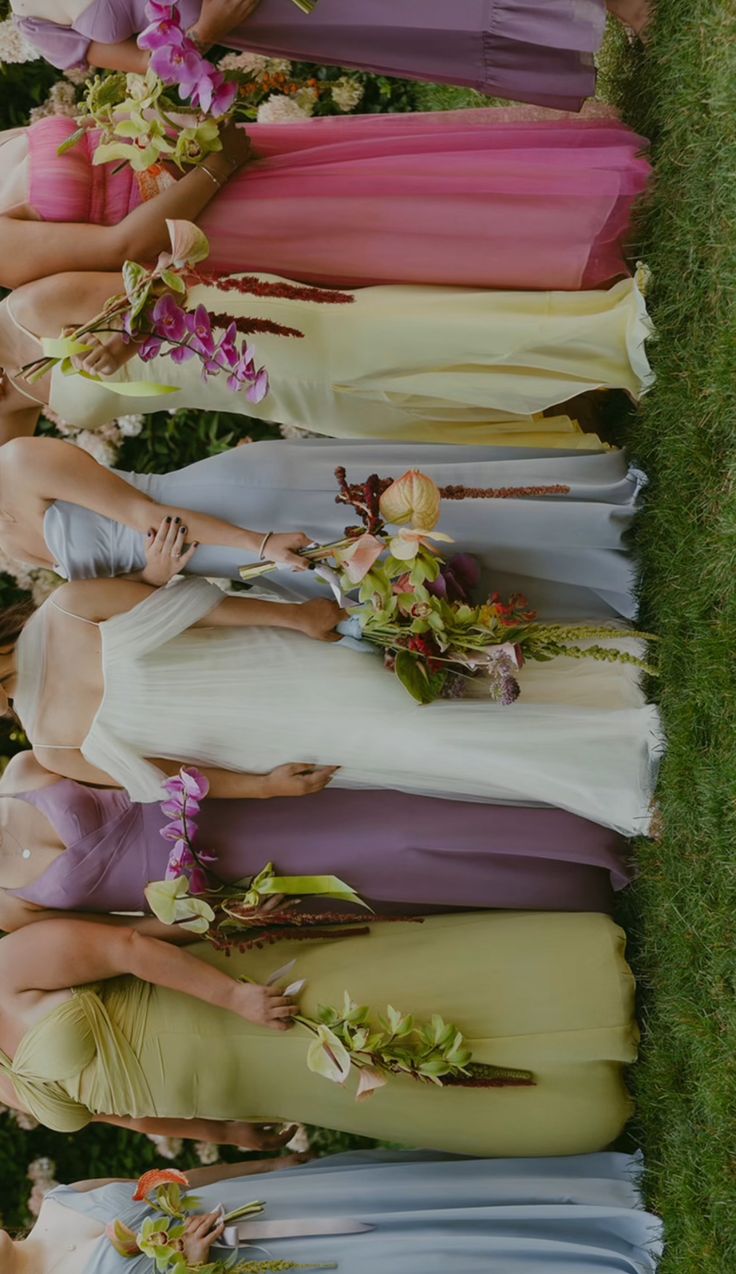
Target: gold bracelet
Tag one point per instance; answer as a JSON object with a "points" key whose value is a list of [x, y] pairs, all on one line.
{"points": [[203, 168], [264, 542]]}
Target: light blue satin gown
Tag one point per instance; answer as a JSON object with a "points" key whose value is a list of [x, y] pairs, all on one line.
{"points": [[566, 552], [430, 1214]]}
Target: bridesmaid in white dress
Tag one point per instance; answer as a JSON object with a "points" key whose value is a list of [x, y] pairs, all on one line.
{"points": [[423, 364], [117, 683]]}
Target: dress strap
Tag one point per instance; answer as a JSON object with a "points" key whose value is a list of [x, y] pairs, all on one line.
{"points": [[71, 613]]}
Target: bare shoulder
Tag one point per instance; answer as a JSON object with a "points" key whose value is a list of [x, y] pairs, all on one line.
{"points": [[23, 773], [69, 298], [99, 599]]}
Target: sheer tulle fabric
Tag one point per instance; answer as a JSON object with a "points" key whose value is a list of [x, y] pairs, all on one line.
{"points": [[582, 737], [475, 198]]}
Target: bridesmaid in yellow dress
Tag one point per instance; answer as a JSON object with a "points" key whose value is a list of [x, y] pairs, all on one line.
{"points": [[175, 1045], [425, 364]]}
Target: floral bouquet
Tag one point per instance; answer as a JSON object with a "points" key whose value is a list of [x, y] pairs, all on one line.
{"points": [[394, 1043], [152, 313], [193, 896], [418, 608], [175, 111], [162, 1235]]}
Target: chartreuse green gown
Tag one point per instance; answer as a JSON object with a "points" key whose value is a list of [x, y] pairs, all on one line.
{"points": [[548, 992]]}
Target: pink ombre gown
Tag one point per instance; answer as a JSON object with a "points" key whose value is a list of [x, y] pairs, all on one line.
{"points": [[465, 198], [537, 51]]}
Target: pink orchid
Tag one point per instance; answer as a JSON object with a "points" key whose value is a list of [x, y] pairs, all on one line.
{"points": [[198, 881], [195, 783], [169, 318], [259, 388], [200, 326], [150, 348], [180, 860], [163, 31]]}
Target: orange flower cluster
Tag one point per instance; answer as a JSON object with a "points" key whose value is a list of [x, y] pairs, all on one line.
{"points": [[278, 83]]}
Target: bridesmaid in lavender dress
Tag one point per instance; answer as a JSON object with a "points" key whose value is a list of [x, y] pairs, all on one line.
{"points": [[538, 51], [64, 846]]}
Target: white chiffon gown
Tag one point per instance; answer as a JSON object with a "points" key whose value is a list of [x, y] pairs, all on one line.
{"points": [[248, 699]]}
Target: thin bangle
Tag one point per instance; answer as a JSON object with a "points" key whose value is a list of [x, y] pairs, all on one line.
{"points": [[264, 542], [203, 168]]}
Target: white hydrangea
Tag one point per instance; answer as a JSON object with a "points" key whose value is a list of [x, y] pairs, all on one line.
{"points": [[347, 93], [296, 431], [307, 98], [62, 100], [102, 444], [300, 1141], [14, 47], [43, 582], [41, 1173], [25, 1122], [279, 109], [130, 426], [167, 1147], [207, 1152], [248, 63]]}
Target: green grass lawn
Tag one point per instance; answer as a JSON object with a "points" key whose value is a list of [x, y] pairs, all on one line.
{"points": [[681, 915], [681, 92]]}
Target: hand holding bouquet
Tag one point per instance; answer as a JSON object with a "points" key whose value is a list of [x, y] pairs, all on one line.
{"points": [[418, 608]]}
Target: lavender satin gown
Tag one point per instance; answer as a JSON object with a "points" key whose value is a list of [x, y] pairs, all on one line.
{"points": [[538, 51], [403, 853]]}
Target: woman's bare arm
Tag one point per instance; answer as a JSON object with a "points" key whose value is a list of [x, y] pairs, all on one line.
{"points": [[49, 469], [33, 249], [16, 914], [212, 1176], [125, 56], [223, 1132], [69, 953]]}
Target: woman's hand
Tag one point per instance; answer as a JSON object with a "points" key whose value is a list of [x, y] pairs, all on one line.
{"points": [[263, 1005], [319, 618], [298, 779], [105, 357], [199, 1235], [237, 147], [258, 1136], [218, 17], [166, 552], [282, 548]]}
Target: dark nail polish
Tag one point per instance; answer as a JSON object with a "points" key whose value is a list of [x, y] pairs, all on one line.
{"points": [[176, 519], [182, 530], [167, 519]]}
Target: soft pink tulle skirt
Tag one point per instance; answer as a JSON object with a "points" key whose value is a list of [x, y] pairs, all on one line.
{"points": [[473, 198], [484, 198]]}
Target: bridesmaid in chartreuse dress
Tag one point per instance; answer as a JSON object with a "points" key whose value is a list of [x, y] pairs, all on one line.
{"points": [[164, 1040]]}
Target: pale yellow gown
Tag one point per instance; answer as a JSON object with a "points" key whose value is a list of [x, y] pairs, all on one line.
{"points": [[426, 364]]}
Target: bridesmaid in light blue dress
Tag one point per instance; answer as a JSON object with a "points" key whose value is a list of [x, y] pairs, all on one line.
{"points": [[427, 1213]]}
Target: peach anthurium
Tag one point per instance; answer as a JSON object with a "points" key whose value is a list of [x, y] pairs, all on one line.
{"points": [[370, 1080], [158, 1177], [406, 543], [357, 559], [189, 245], [413, 498]]}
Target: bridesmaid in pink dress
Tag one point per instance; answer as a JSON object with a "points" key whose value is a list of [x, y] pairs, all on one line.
{"points": [[538, 51], [482, 199]]}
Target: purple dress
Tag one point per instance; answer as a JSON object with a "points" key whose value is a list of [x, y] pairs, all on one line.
{"points": [[399, 852], [538, 51]]}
